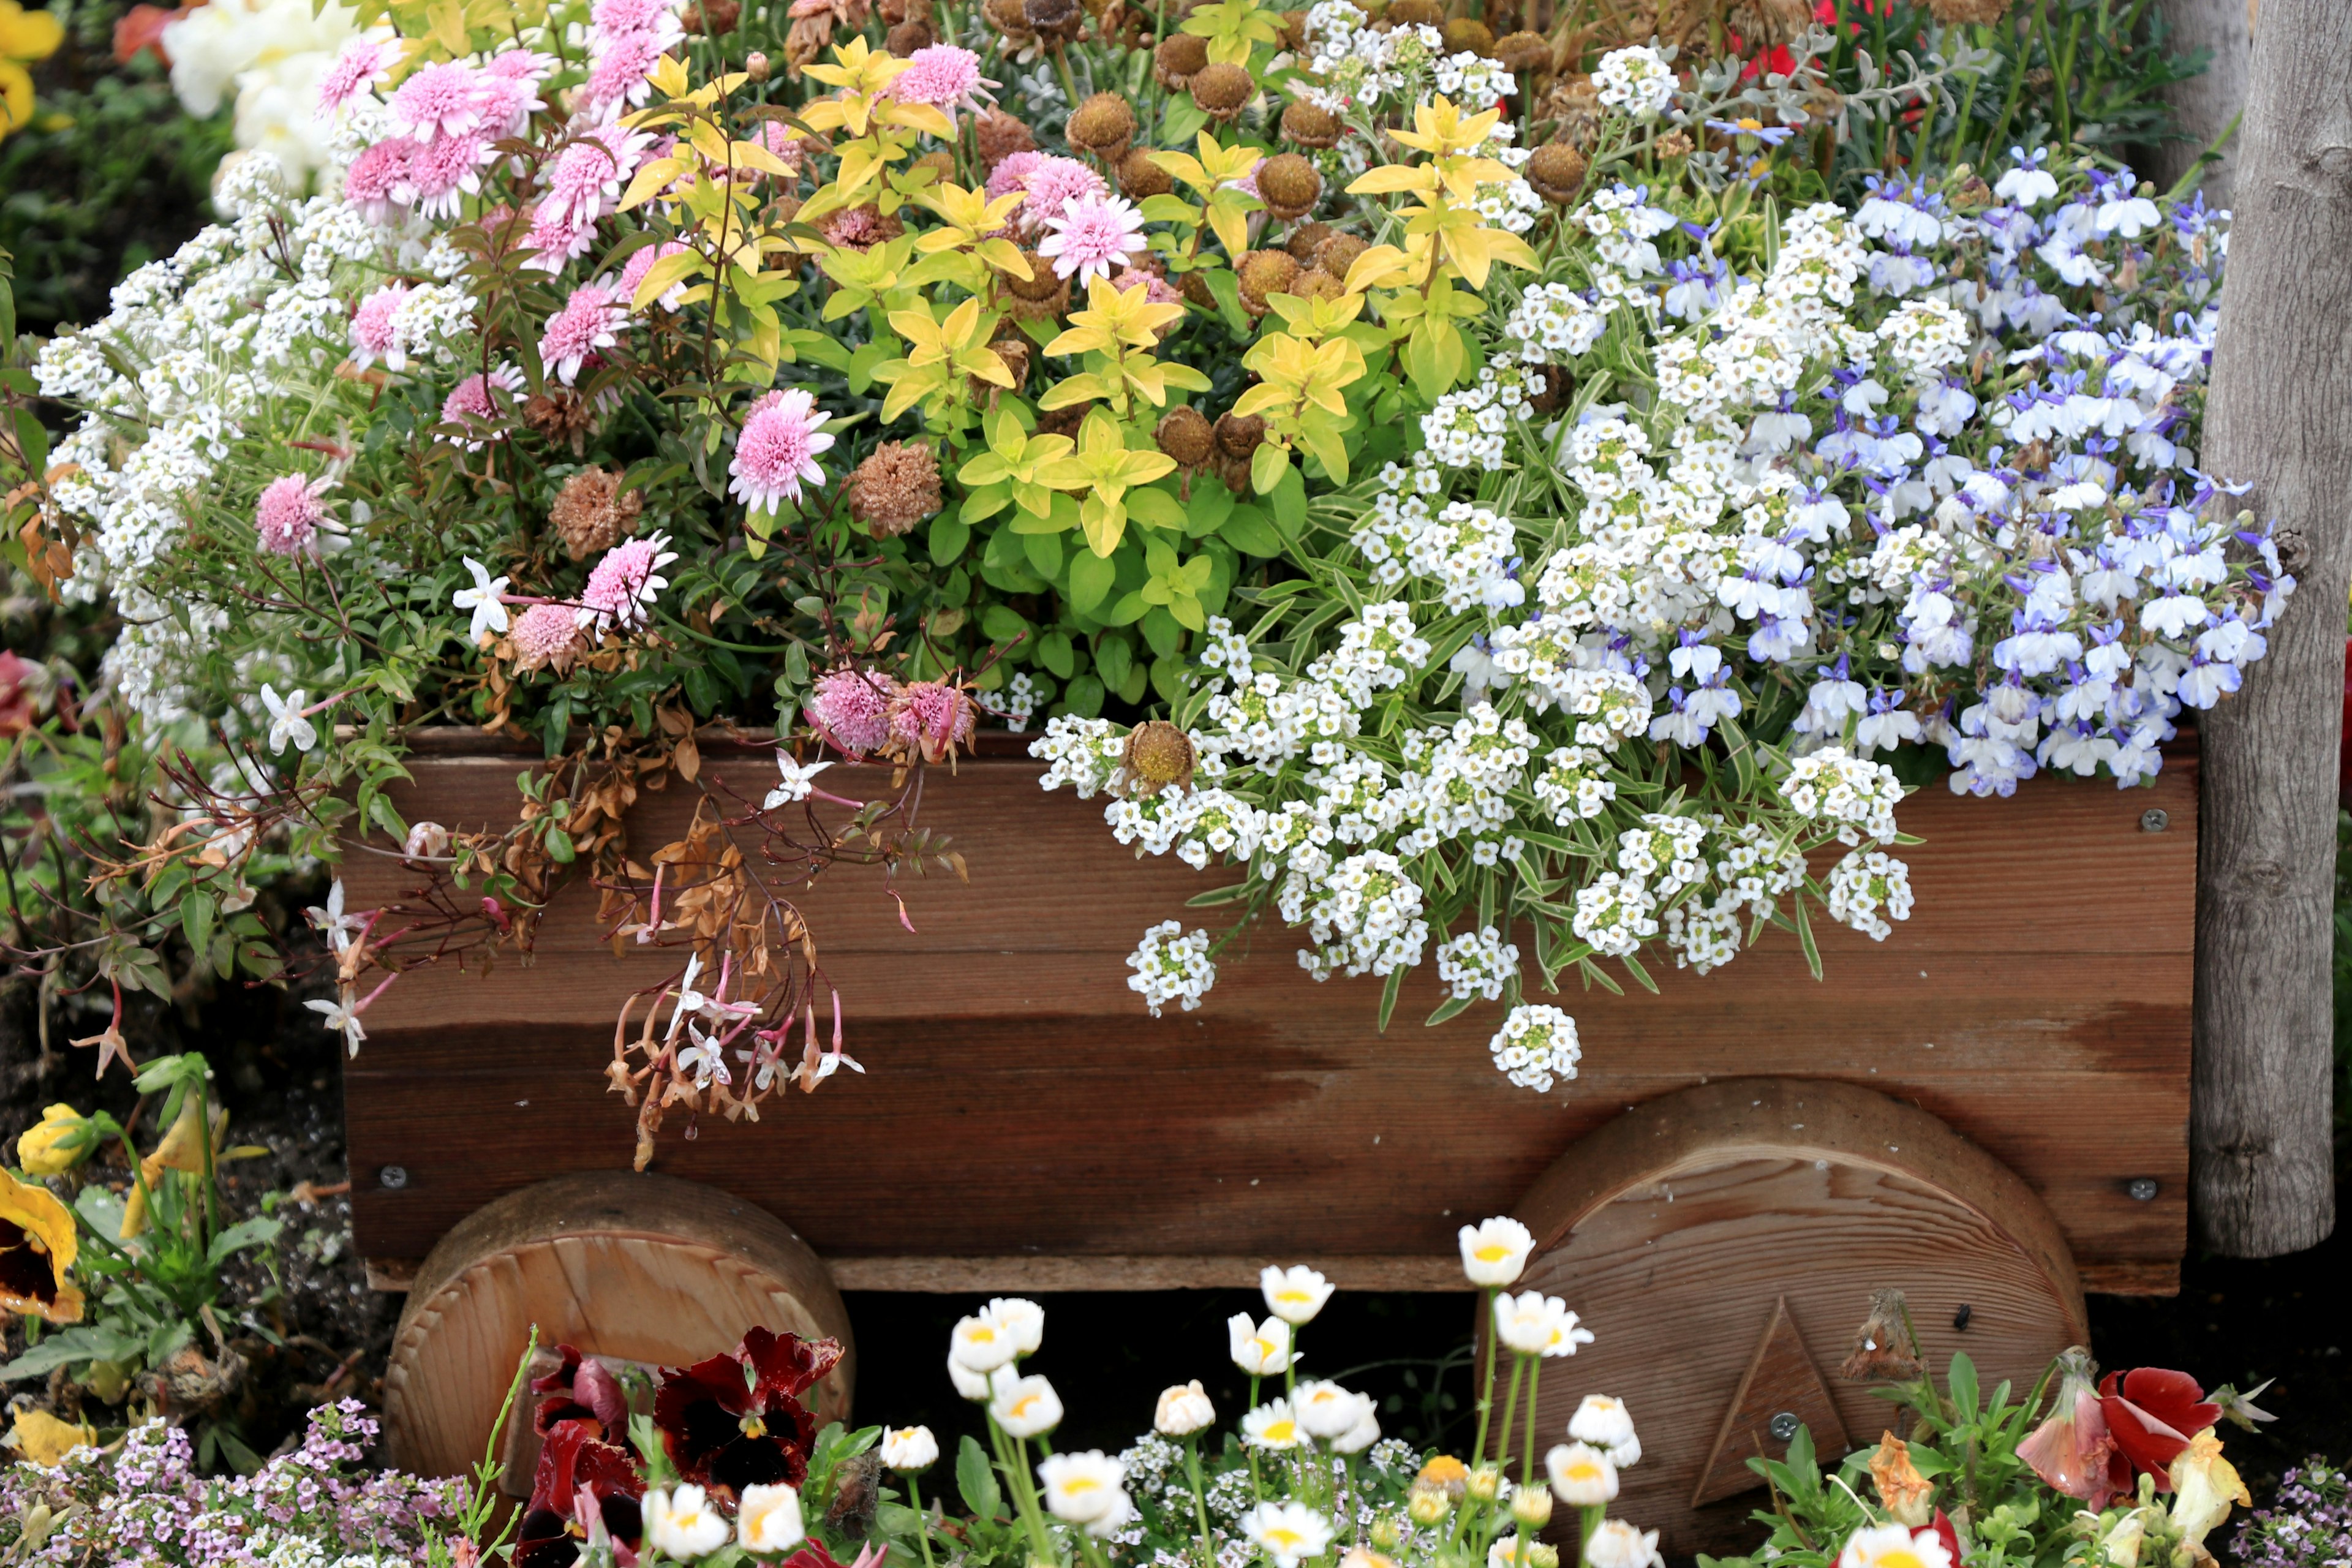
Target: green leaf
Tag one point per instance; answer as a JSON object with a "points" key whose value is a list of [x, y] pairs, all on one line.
{"points": [[1085, 696], [977, 1481], [1055, 652], [1388, 994], [380, 811], [1248, 531], [1268, 465], [1153, 506], [1045, 553], [1128, 610], [1961, 1377], [1091, 577], [260, 1231], [949, 537], [1003, 623], [1447, 1009], [1115, 658], [197, 913], [1289, 499], [1211, 506]]}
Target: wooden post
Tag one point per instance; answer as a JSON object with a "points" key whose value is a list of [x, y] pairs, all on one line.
{"points": [[2223, 31], [2281, 417]]}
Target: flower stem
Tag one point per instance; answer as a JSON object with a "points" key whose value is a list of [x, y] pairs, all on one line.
{"points": [[923, 1517], [1510, 1408], [1485, 1374], [1527, 1469], [1199, 1501]]}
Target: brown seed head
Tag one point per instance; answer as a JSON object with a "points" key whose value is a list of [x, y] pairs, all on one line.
{"points": [[1041, 282], [1294, 30], [1184, 434], [1194, 287], [563, 417], [1000, 136], [1264, 272], [1304, 239], [1014, 353], [1556, 170], [591, 512], [1010, 17], [939, 162], [1317, 284], [1103, 125], [1468, 36], [1289, 186], [906, 37], [1177, 58], [895, 489], [1159, 756], [1675, 144], [1338, 253], [1055, 20], [1309, 125], [1414, 13], [1239, 435], [1140, 179], [712, 18], [1221, 89], [1524, 53], [1969, 13]]}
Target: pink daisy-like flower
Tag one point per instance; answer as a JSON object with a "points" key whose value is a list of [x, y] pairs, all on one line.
{"points": [[439, 100], [443, 172], [554, 244], [1053, 183], [850, 710], [374, 332], [585, 180], [933, 718], [545, 635], [1157, 289], [509, 89], [610, 18], [288, 514], [633, 275], [620, 72], [1092, 238], [777, 450], [944, 77], [1009, 176], [621, 591], [376, 178], [588, 322], [362, 65], [472, 407]]}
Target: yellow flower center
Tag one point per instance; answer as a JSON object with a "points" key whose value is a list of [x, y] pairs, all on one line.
{"points": [[1493, 1252]]}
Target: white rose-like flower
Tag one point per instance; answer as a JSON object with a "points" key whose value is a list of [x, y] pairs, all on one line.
{"points": [[683, 1524], [1081, 1488], [767, 1519], [1183, 1409], [982, 1342], [1494, 1250], [1582, 1475], [1532, 1323], [1023, 1318], [1363, 1434], [1295, 1294], [1261, 1350], [1601, 1421], [1289, 1532], [1617, 1544], [1327, 1410], [974, 1385], [1024, 1406], [909, 1448], [1271, 1426]]}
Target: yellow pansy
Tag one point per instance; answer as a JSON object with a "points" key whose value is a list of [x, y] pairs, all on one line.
{"points": [[37, 1245], [25, 36], [42, 1438], [50, 1147]]}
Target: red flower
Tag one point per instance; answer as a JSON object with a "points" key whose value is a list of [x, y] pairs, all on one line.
{"points": [[580, 1390], [735, 1420], [16, 695], [2151, 1413], [577, 1472]]}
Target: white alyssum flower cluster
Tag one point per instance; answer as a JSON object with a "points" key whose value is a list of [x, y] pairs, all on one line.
{"points": [[1172, 965]]}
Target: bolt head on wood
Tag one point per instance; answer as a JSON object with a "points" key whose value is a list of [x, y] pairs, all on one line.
{"points": [[1784, 1425], [2155, 820]]}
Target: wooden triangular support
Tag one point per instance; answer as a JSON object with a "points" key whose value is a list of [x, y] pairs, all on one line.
{"points": [[1780, 1381]]}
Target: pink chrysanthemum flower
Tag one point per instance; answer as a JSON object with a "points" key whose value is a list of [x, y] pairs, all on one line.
{"points": [[439, 100], [584, 181], [443, 172], [932, 717], [472, 406], [621, 591], [1157, 289], [545, 635], [589, 321], [375, 332], [554, 244], [288, 514], [777, 450], [376, 178], [850, 710], [509, 88], [362, 65], [612, 18], [1053, 183], [641, 263], [1010, 175], [1092, 238], [944, 77], [621, 72]]}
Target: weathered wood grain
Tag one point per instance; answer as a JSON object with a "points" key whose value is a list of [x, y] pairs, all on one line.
{"points": [[1682, 1229], [1019, 1103]]}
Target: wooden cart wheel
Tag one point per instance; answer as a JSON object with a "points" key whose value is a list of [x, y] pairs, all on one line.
{"points": [[644, 1268], [1724, 1245]]}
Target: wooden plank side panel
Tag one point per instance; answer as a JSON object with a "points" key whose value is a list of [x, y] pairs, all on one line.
{"points": [[1018, 1101]]}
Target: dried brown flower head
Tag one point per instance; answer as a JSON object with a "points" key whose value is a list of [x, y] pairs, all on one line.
{"points": [[713, 18], [939, 162], [894, 11], [1556, 170], [1289, 186], [1222, 88], [1040, 283], [1056, 21], [862, 228], [1103, 125], [1468, 36], [1305, 238], [1317, 284], [1263, 272], [1159, 756], [1015, 351], [1969, 13], [1185, 435], [1309, 125], [1178, 58], [1524, 53], [1675, 143], [591, 512], [1573, 104], [1762, 23], [905, 37], [1338, 253], [895, 489], [1140, 179], [1010, 17], [1414, 13], [562, 418], [1000, 136], [1194, 287], [1884, 1348]]}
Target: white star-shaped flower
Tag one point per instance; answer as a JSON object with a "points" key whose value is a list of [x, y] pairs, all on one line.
{"points": [[483, 599], [799, 782], [286, 724]]}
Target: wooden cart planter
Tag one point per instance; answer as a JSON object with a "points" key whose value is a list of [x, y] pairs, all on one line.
{"points": [[1990, 1110]]}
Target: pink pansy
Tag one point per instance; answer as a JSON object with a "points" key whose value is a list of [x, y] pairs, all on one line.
{"points": [[588, 322], [439, 100], [362, 65], [621, 591], [288, 514], [633, 274], [850, 710], [777, 450], [443, 173], [944, 77], [471, 406], [375, 335], [376, 178], [1092, 238], [1053, 183], [1008, 177]]}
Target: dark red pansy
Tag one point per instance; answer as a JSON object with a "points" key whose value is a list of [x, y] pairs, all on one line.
{"points": [[581, 1389], [2151, 1413], [577, 1470], [735, 1420]]}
